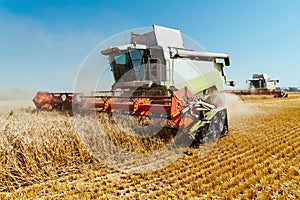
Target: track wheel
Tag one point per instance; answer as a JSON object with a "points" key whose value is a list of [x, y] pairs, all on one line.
{"points": [[202, 135], [218, 125]]}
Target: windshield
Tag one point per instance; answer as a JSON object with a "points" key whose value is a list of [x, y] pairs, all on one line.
{"points": [[129, 66]]}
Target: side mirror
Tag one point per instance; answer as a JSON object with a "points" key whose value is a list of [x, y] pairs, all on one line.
{"points": [[230, 83], [227, 61]]}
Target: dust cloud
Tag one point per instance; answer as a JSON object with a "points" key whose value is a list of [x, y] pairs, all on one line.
{"points": [[15, 98], [238, 108], [16, 94]]}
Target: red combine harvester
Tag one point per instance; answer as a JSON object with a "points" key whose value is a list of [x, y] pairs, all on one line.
{"points": [[157, 77]]}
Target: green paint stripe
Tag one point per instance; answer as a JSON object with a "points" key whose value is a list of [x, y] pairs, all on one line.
{"points": [[201, 83]]}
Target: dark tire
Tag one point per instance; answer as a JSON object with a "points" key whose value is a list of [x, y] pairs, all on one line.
{"points": [[202, 136], [218, 125]]}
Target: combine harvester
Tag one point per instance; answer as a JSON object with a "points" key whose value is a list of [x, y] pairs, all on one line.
{"points": [[157, 77], [261, 84]]}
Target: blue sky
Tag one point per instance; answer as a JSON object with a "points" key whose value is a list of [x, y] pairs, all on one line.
{"points": [[43, 43]]}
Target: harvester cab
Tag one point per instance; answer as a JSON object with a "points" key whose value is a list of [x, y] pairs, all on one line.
{"points": [[158, 58], [156, 76], [262, 81]]}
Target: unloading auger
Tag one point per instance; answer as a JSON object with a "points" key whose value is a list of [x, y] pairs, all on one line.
{"points": [[157, 77]]}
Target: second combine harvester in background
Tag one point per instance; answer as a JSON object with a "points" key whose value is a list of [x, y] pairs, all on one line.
{"points": [[156, 76], [261, 84]]}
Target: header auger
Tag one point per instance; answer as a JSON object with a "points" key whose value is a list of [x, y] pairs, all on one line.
{"points": [[55, 100], [157, 77]]}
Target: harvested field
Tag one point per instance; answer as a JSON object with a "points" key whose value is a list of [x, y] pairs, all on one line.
{"points": [[41, 157]]}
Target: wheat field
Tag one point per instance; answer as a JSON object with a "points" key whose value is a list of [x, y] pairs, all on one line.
{"points": [[42, 157]]}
